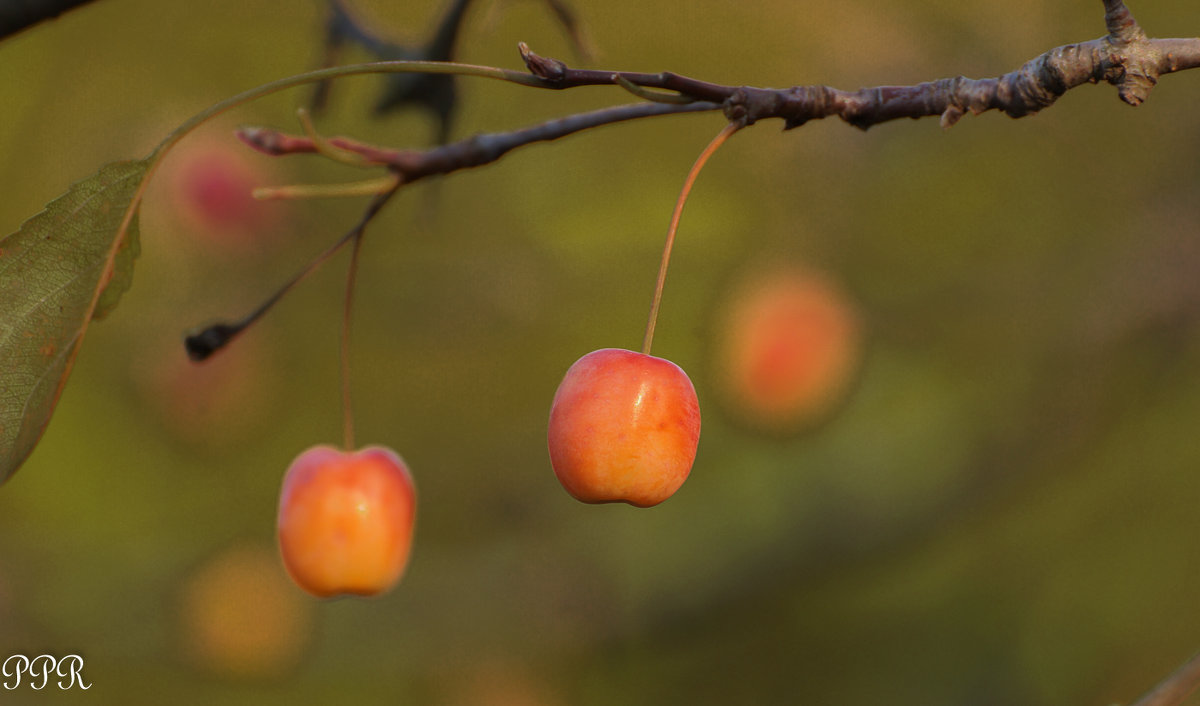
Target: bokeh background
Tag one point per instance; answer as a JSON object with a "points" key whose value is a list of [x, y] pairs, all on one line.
{"points": [[1001, 508]]}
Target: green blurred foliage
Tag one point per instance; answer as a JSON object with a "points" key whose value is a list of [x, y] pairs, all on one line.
{"points": [[1003, 510]]}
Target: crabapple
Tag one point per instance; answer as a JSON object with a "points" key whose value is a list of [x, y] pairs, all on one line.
{"points": [[346, 520], [788, 344], [624, 427]]}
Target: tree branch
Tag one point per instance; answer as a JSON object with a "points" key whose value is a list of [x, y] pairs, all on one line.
{"points": [[1125, 58], [413, 165]]}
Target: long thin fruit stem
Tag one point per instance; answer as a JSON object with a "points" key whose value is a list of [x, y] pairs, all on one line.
{"points": [[347, 409], [373, 209], [666, 256]]}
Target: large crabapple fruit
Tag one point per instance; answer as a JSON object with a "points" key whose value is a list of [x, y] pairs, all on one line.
{"points": [[624, 427]]}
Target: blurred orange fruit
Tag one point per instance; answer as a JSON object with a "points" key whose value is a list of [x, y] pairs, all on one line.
{"points": [[788, 343], [241, 617]]}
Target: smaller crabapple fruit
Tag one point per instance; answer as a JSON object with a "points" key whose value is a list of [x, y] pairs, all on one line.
{"points": [[624, 427], [346, 520]]}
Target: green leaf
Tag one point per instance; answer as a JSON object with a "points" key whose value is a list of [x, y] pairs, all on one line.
{"points": [[50, 271], [122, 277]]}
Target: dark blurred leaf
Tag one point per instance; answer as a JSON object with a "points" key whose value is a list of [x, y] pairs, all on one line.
{"points": [[50, 270], [18, 16], [432, 92], [435, 93]]}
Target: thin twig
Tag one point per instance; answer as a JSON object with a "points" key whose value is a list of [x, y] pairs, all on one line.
{"points": [[475, 151], [1176, 687]]}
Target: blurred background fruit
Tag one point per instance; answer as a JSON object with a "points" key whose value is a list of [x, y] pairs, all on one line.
{"points": [[207, 406], [786, 347], [210, 183], [240, 616]]}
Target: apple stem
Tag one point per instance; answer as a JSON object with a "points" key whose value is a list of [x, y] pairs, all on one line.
{"points": [[348, 306], [712, 147], [347, 409]]}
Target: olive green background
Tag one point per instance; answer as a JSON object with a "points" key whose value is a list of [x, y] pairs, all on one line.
{"points": [[1004, 509]]}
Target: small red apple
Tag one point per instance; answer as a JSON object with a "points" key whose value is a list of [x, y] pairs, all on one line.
{"points": [[346, 520], [624, 427], [788, 344]]}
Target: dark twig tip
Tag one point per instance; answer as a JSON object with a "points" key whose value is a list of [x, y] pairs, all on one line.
{"points": [[200, 346], [260, 139], [550, 70]]}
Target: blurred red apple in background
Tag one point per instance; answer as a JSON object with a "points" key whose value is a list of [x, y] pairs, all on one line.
{"points": [[787, 344], [206, 193], [624, 427]]}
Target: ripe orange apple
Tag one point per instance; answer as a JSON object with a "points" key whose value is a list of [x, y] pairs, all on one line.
{"points": [[346, 520], [788, 344], [624, 427]]}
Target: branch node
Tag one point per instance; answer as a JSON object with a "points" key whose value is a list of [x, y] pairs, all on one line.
{"points": [[735, 107], [951, 115], [1135, 87], [747, 105], [1122, 27], [1133, 62]]}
